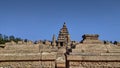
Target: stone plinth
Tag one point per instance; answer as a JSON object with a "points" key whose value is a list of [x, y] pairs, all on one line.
{"points": [[91, 39]]}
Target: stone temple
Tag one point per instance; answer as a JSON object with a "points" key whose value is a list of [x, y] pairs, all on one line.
{"points": [[64, 37], [61, 52]]}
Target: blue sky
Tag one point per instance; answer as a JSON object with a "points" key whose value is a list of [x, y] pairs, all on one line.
{"points": [[40, 19]]}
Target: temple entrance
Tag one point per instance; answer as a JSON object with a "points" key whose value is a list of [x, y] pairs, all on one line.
{"points": [[61, 43]]}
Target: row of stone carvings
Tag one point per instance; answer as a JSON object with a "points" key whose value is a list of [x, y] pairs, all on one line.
{"points": [[94, 64], [30, 64]]}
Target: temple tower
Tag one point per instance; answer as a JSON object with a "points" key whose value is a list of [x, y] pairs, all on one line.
{"points": [[63, 37], [54, 40]]}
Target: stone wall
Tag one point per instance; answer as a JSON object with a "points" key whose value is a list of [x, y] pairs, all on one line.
{"points": [[93, 56], [103, 61], [27, 56]]}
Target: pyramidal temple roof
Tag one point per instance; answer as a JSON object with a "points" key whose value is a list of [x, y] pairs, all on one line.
{"points": [[63, 36]]}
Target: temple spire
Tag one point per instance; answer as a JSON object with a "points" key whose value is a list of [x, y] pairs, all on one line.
{"points": [[63, 37]]}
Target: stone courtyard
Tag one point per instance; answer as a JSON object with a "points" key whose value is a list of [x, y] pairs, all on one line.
{"points": [[61, 53]]}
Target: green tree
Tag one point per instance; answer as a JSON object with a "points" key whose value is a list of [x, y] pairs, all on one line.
{"points": [[115, 42], [11, 38], [6, 38], [1, 37], [25, 40], [17, 39]]}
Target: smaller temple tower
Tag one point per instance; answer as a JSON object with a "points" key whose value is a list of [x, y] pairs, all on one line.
{"points": [[63, 37], [54, 41]]}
